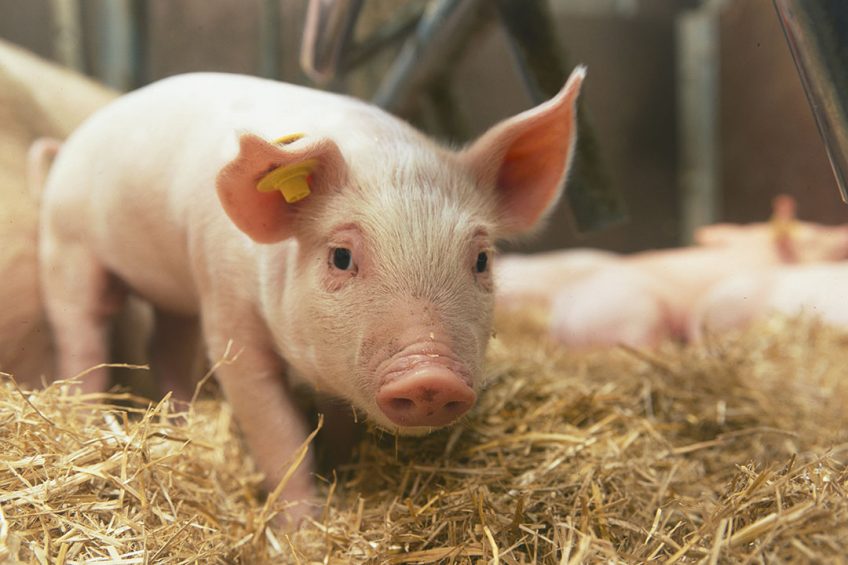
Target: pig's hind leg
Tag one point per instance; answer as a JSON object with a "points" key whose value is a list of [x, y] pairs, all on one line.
{"points": [[80, 297]]}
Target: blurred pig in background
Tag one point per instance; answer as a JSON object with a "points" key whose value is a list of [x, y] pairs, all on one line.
{"points": [[39, 99], [740, 300], [36, 99], [530, 280], [793, 240], [648, 297]]}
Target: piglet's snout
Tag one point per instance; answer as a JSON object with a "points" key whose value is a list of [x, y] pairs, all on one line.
{"points": [[426, 396]]}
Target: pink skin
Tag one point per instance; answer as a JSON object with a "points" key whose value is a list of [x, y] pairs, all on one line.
{"points": [[375, 289], [614, 305], [784, 238], [649, 297], [531, 280], [37, 99], [736, 302]]}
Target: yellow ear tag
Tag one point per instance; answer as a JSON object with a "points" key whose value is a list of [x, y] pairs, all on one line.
{"points": [[286, 139], [291, 180], [783, 227]]}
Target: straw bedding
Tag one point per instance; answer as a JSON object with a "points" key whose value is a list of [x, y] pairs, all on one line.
{"points": [[729, 452]]}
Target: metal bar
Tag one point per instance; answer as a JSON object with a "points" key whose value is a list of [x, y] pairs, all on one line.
{"points": [[442, 31], [621, 8], [449, 119], [121, 56], [67, 44], [697, 37], [269, 39], [386, 35], [534, 45], [327, 31], [595, 203], [817, 33]]}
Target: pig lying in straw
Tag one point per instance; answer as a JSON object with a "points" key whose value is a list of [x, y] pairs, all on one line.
{"points": [[649, 297], [531, 280], [734, 303], [328, 240]]}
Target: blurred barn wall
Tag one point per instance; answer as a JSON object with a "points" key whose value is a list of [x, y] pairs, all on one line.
{"points": [[769, 143]]}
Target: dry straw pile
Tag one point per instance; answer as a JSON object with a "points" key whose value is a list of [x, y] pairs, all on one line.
{"points": [[730, 452]]}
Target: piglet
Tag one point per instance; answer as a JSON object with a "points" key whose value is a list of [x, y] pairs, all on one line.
{"points": [[649, 297], [736, 302], [530, 280], [332, 243], [786, 238], [37, 99]]}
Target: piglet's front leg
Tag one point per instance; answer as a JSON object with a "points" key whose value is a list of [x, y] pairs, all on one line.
{"points": [[268, 418]]}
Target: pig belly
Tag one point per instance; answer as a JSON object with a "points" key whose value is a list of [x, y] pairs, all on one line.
{"points": [[155, 285], [129, 213], [156, 266]]}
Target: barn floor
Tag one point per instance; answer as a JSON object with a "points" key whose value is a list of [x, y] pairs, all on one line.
{"points": [[730, 452]]}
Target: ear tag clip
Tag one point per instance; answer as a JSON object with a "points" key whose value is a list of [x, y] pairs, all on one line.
{"points": [[291, 180], [783, 227], [286, 139]]}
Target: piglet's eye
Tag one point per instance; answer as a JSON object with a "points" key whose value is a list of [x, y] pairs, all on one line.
{"points": [[482, 262], [342, 259]]}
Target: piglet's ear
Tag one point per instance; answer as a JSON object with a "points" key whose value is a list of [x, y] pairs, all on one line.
{"points": [[251, 187], [526, 158], [783, 208]]}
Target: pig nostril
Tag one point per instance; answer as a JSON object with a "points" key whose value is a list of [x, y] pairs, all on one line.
{"points": [[455, 406], [401, 404]]}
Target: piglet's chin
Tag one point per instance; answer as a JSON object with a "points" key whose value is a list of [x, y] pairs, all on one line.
{"points": [[407, 431]]}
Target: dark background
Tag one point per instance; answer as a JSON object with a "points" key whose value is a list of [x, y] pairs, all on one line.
{"points": [[768, 139]]}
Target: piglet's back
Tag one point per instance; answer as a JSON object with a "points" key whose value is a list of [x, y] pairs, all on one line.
{"points": [[176, 134], [139, 175]]}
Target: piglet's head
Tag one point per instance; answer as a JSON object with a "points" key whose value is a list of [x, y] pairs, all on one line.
{"points": [[378, 285]]}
